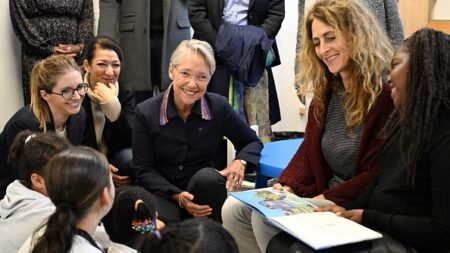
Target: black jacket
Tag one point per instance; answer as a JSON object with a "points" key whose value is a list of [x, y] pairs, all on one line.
{"points": [[206, 17], [24, 119], [117, 134]]}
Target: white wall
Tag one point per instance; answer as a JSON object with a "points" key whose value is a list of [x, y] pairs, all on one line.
{"points": [[284, 74], [10, 77]]}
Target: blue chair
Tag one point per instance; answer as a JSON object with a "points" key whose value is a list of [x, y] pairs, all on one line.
{"points": [[275, 156]]}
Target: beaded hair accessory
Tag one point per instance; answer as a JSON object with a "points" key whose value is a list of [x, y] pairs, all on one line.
{"points": [[143, 221]]}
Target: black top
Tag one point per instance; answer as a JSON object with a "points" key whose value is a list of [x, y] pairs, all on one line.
{"points": [[117, 134], [24, 119], [419, 215], [167, 151]]}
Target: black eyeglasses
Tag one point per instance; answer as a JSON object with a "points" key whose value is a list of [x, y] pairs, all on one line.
{"points": [[68, 93]]}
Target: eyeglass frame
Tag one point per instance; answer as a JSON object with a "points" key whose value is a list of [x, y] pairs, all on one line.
{"points": [[77, 89], [189, 77]]}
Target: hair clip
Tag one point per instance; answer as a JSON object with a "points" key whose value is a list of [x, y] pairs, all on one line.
{"points": [[29, 137], [143, 221]]}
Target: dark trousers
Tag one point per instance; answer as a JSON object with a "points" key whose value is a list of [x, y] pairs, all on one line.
{"points": [[208, 188], [121, 159]]}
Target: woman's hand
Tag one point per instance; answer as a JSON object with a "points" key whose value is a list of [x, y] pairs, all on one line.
{"points": [[320, 196], [185, 200], [117, 179], [234, 173], [68, 49], [354, 215], [333, 208], [280, 187], [104, 92], [160, 224]]}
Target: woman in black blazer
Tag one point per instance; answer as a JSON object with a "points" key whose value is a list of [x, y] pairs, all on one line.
{"points": [[57, 90], [109, 110]]}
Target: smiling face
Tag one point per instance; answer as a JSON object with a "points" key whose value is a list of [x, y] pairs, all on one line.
{"points": [[398, 78], [104, 67], [190, 79], [59, 106], [332, 49]]}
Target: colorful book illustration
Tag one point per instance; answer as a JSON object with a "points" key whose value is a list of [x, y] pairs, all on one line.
{"points": [[296, 216]]}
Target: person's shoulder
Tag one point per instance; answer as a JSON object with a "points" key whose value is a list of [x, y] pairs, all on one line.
{"points": [[80, 244], [216, 99], [23, 119], [150, 103]]}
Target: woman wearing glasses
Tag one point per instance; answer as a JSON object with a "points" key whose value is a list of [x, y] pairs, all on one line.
{"points": [[57, 90], [110, 110], [176, 135]]}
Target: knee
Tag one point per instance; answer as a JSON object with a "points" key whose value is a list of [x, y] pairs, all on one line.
{"points": [[234, 212], [122, 160], [208, 179]]}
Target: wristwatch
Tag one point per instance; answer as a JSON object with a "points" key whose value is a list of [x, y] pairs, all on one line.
{"points": [[244, 162]]}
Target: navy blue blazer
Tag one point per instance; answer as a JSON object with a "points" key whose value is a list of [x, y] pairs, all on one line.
{"points": [[168, 151]]}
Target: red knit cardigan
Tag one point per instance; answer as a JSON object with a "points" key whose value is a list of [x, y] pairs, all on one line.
{"points": [[308, 172]]}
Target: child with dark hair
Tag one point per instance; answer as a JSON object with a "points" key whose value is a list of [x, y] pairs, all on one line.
{"points": [[132, 218], [26, 205], [79, 183], [194, 236]]}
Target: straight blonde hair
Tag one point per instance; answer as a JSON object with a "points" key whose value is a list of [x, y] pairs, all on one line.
{"points": [[43, 77]]}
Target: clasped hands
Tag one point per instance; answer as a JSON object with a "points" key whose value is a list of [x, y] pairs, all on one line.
{"points": [[68, 49]]}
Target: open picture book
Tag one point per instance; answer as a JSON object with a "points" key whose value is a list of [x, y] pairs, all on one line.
{"points": [[295, 216]]}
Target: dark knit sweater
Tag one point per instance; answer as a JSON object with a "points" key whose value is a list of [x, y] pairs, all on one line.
{"points": [[308, 173]]}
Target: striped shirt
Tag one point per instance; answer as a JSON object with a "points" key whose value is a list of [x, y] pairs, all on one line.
{"points": [[339, 147]]}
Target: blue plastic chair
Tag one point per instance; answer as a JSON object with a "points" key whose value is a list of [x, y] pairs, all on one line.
{"points": [[275, 156]]}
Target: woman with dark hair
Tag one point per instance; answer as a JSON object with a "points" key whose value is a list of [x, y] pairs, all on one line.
{"points": [[26, 205], [57, 90], [79, 184], [194, 236], [409, 200], [110, 111], [132, 217]]}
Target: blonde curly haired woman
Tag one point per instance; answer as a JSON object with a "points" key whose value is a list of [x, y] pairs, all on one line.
{"points": [[345, 54]]}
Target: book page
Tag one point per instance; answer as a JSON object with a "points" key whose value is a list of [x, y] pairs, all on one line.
{"points": [[322, 230], [273, 203]]}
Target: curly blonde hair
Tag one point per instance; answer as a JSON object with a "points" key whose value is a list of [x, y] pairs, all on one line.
{"points": [[371, 53]]}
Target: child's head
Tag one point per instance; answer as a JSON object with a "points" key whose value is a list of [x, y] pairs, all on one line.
{"points": [[79, 184], [193, 235], [29, 154], [132, 216]]}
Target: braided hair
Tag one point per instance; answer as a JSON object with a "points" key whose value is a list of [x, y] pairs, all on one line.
{"points": [[132, 205], [427, 95], [194, 236]]}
